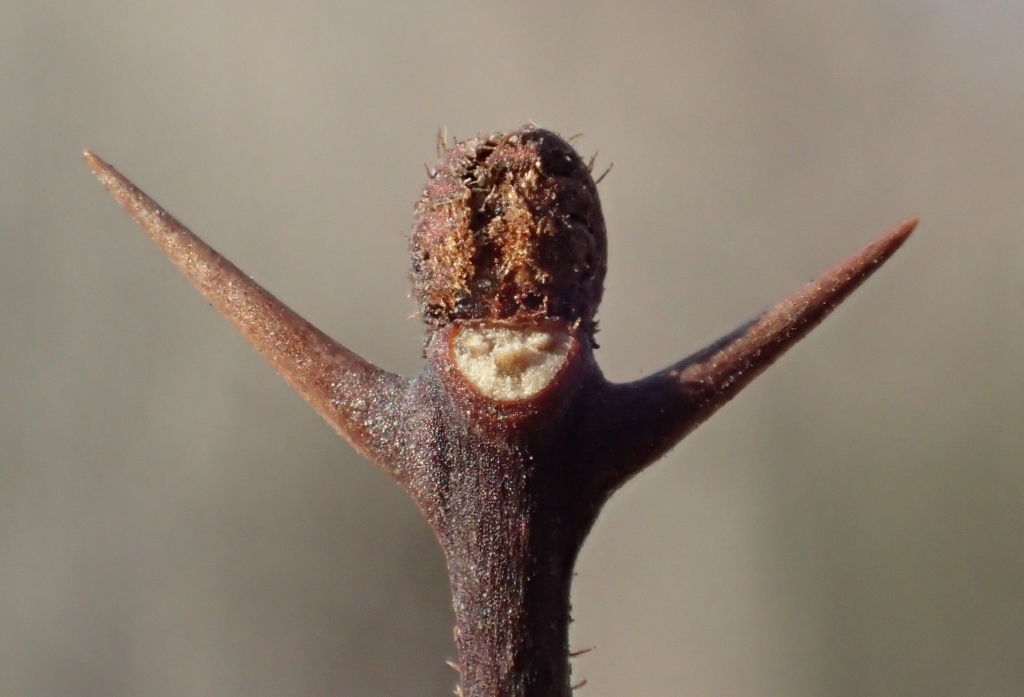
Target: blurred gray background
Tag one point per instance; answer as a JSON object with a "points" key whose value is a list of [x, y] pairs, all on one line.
{"points": [[174, 521]]}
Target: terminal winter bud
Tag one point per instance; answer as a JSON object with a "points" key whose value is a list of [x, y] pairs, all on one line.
{"points": [[510, 228]]}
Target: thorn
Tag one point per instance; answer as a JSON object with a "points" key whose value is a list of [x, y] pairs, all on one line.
{"points": [[601, 178], [676, 400], [574, 654], [454, 666], [593, 159], [309, 360], [581, 683]]}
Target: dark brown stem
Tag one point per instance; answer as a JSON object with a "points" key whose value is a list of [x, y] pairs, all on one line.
{"points": [[501, 488]]}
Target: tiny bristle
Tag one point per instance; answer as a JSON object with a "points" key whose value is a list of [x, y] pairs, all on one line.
{"points": [[604, 174]]}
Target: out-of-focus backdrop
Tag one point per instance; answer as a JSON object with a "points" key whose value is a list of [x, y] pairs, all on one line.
{"points": [[174, 521]]}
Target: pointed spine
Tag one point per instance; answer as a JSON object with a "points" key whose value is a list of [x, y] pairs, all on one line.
{"points": [[358, 399], [636, 423]]}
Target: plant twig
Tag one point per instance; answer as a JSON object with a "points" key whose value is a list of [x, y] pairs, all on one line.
{"points": [[510, 439]]}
